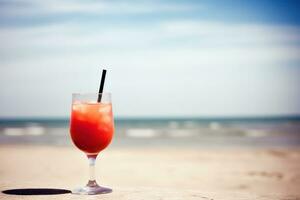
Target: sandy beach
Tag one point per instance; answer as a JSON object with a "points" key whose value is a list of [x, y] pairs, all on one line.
{"points": [[156, 173]]}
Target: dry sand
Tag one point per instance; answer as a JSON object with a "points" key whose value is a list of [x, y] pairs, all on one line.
{"points": [[156, 174]]}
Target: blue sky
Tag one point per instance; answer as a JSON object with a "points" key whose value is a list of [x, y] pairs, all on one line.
{"points": [[164, 58]]}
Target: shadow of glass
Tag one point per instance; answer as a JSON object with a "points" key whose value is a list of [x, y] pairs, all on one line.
{"points": [[36, 191]]}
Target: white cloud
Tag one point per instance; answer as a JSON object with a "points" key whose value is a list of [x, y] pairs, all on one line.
{"points": [[208, 33], [208, 68], [234, 33], [37, 7], [172, 43]]}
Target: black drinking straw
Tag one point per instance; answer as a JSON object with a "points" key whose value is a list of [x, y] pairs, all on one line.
{"points": [[101, 85]]}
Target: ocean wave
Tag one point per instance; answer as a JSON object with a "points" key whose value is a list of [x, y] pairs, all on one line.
{"points": [[32, 130], [256, 133], [183, 133], [142, 133], [14, 131]]}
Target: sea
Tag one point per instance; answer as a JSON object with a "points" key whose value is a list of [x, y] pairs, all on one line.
{"points": [[164, 132]]}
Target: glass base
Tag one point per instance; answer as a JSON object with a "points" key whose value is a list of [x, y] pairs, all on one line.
{"points": [[91, 188]]}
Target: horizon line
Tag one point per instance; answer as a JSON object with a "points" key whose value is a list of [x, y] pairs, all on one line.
{"points": [[237, 117]]}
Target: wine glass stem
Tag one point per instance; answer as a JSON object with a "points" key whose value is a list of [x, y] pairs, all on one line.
{"points": [[92, 180], [92, 162]]}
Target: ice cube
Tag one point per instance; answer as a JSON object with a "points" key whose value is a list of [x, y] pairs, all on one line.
{"points": [[104, 108]]}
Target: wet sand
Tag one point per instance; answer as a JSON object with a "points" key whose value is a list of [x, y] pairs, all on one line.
{"points": [[156, 173]]}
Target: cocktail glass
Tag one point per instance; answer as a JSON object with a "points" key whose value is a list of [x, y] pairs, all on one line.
{"points": [[91, 129]]}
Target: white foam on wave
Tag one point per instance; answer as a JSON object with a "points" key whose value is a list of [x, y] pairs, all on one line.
{"points": [[181, 133], [31, 129], [12, 131], [35, 130], [142, 133], [215, 126], [256, 133]]}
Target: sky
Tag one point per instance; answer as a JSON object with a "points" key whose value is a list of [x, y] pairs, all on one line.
{"points": [[164, 58]]}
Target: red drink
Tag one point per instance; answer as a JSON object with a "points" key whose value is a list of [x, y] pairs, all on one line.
{"points": [[92, 126]]}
